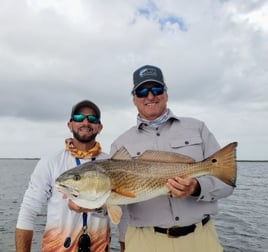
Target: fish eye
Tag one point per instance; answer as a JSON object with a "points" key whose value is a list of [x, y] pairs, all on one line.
{"points": [[76, 177]]}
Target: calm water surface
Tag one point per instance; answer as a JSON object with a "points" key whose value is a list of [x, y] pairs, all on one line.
{"points": [[242, 222]]}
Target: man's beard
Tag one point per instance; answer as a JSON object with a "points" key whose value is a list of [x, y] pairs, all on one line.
{"points": [[84, 139]]}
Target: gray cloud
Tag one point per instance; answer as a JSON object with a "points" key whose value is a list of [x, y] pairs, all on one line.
{"points": [[54, 53]]}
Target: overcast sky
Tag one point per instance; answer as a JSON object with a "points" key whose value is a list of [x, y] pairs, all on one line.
{"points": [[54, 53]]}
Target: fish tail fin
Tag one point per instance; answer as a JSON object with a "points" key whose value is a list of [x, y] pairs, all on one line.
{"points": [[223, 164]]}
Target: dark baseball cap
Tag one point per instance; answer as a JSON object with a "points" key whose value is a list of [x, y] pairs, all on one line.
{"points": [[88, 104], [147, 73]]}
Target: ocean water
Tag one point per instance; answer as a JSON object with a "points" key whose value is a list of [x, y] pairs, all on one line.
{"points": [[242, 222]]}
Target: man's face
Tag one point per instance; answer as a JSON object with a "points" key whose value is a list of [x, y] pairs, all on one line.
{"points": [[151, 106], [85, 131]]}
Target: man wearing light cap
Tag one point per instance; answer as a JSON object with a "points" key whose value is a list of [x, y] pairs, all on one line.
{"points": [[69, 228], [181, 221]]}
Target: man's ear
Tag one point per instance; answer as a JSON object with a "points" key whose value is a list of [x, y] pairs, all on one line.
{"points": [[100, 127], [134, 100], [70, 126]]}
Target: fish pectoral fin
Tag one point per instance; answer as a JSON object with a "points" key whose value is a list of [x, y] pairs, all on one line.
{"points": [[114, 213], [124, 193]]}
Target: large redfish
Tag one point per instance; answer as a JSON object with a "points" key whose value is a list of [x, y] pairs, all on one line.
{"points": [[124, 180]]}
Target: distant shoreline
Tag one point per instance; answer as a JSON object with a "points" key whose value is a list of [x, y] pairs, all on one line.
{"points": [[19, 158], [252, 161], [244, 160]]}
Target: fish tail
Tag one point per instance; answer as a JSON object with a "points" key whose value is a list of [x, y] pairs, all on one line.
{"points": [[223, 164]]}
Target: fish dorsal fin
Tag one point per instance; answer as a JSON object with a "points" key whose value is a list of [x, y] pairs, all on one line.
{"points": [[164, 156], [121, 154]]}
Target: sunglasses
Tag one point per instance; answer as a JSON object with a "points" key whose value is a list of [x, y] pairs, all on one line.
{"points": [[81, 117], [144, 91]]}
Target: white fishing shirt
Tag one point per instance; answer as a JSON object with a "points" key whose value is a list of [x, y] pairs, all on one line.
{"points": [[61, 221], [185, 136]]}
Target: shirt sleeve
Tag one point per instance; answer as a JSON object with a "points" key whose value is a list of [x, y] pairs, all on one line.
{"points": [[36, 195], [212, 188]]}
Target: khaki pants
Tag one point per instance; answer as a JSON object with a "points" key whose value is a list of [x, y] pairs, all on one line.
{"points": [[203, 239]]}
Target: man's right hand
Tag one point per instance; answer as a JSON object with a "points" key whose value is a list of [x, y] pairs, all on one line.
{"points": [[77, 208]]}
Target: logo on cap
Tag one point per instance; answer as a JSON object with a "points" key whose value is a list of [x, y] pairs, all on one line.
{"points": [[148, 72]]}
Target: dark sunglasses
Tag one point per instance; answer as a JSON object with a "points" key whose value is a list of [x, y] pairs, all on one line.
{"points": [[144, 91], [81, 117]]}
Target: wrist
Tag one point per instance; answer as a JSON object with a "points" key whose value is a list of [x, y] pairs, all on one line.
{"points": [[197, 190]]}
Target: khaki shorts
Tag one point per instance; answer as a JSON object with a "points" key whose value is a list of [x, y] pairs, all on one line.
{"points": [[203, 239]]}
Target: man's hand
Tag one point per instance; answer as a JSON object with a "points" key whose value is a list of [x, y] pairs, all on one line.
{"points": [[183, 187], [77, 208]]}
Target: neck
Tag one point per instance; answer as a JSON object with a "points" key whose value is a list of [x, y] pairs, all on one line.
{"points": [[156, 121], [83, 150], [154, 116], [84, 146]]}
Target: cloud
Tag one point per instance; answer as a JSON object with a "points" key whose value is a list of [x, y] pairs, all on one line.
{"points": [[54, 53]]}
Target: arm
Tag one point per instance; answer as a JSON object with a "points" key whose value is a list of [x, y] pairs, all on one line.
{"points": [[34, 198], [211, 188], [23, 240], [122, 246], [206, 188]]}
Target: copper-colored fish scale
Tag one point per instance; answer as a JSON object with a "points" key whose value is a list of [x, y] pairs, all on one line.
{"points": [[138, 179], [146, 178]]}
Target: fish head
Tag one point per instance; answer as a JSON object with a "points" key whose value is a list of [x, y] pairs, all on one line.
{"points": [[87, 188]]}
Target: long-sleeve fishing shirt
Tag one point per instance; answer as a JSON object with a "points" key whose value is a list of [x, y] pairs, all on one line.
{"points": [[63, 227], [186, 136]]}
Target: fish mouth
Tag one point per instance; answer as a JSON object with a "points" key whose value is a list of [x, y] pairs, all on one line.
{"points": [[67, 190]]}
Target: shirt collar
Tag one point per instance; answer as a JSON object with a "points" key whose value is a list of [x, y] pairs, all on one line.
{"points": [[170, 115]]}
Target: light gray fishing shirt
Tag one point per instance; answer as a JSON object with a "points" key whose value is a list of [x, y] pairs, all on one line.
{"points": [[185, 136]]}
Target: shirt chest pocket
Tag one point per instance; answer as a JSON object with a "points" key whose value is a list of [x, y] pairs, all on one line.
{"points": [[191, 146]]}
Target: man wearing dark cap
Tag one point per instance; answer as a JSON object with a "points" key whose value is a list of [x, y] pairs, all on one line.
{"points": [[181, 221], [69, 227]]}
